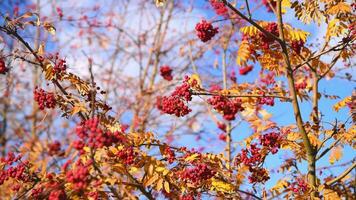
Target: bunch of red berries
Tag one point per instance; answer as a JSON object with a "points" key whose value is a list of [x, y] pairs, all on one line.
{"points": [[37, 193], [245, 70], [169, 154], [266, 101], [228, 107], [297, 46], [190, 196], [56, 188], [258, 175], [205, 30], [59, 65], [54, 148], [268, 78], [219, 7], [94, 136], [222, 137], [3, 68], [172, 105], [79, 145], [267, 40], [17, 172], [253, 158], [57, 194], [166, 72], [299, 186], [44, 99], [176, 103], [195, 175], [250, 157], [127, 155], [272, 141], [269, 4], [79, 176], [301, 85]]}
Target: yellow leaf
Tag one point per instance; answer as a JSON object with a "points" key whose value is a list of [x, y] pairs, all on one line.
{"points": [[191, 157], [159, 184], [166, 187], [49, 27], [160, 3], [335, 155], [342, 103], [195, 77], [78, 107], [221, 186], [150, 181], [341, 7], [41, 49], [244, 53], [265, 115], [110, 180]]}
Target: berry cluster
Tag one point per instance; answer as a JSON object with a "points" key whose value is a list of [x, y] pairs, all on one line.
{"points": [[59, 65], [175, 104], [301, 85], [222, 137], [91, 134], [297, 46], [219, 7], [268, 4], [254, 156], [266, 40], [251, 157], [172, 105], [299, 186], [268, 78], [169, 154], [3, 68], [245, 70], [190, 196], [272, 141], [44, 99], [54, 148], [79, 176], [17, 172], [258, 175], [197, 174], [37, 193], [57, 194], [228, 107], [166, 72], [56, 188], [266, 101], [205, 30], [127, 155]]}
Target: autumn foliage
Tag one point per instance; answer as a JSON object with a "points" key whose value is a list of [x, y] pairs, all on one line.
{"points": [[107, 103]]}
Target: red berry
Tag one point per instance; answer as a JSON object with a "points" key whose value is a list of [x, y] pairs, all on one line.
{"points": [[245, 70], [166, 72], [219, 7], [3, 68]]}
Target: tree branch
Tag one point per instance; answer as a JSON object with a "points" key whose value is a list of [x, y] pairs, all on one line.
{"points": [[345, 173]]}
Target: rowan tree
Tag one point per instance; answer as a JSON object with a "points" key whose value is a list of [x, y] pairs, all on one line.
{"points": [[166, 99]]}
